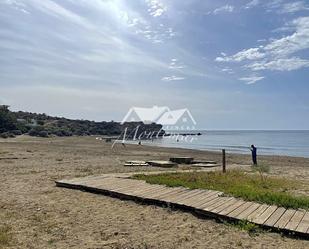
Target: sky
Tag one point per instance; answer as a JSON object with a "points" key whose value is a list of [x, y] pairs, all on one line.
{"points": [[241, 64]]}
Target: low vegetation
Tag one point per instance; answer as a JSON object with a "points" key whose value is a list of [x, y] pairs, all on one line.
{"points": [[42, 125], [243, 225], [248, 186]]}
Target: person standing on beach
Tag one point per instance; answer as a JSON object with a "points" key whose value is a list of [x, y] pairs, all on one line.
{"points": [[253, 152]]}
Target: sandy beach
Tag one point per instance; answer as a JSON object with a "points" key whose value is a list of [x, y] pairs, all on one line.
{"points": [[40, 215]]}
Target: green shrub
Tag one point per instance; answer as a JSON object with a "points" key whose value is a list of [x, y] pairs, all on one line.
{"points": [[7, 135], [17, 132]]}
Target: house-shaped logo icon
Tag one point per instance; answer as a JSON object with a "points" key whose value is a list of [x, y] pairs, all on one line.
{"points": [[170, 119], [177, 120]]}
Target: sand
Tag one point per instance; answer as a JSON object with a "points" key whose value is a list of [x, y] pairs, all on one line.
{"points": [[40, 215]]}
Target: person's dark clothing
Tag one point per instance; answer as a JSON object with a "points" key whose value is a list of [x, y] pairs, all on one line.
{"points": [[253, 151]]}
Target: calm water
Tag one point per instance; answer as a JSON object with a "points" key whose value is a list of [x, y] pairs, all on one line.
{"points": [[290, 143]]}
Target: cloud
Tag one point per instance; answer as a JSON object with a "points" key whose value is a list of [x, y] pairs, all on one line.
{"points": [[251, 79], [294, 7], [280, 64], [276, 54], [283, 7], [156, 34], [252, 4], [17, 5], [175, 64], [172, 78], [156, 8], [299, 40], [273, 5], [225, 8], [227, 70], [247, 54]]}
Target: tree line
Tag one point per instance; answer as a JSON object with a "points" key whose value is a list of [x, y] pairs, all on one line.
{"points": [[42, 125]]}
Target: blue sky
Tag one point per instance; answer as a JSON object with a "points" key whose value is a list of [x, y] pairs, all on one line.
{"points": [[234, 64]]}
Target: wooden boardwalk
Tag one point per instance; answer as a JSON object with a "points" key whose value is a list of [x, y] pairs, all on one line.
{"points": [[206, 202]]}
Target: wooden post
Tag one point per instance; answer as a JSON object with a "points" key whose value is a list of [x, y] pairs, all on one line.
{"points": [[223, 161]]}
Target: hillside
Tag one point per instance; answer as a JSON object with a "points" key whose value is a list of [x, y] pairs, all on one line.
{"points": [[34, 124]]}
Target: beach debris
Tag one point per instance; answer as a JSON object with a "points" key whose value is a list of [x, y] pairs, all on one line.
{"points": [[164, 164], [204, 165], [136, 163], [182, 160], [204, 162]]}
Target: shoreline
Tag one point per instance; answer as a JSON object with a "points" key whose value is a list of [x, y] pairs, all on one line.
{"points": [[214, 151], [274, 143], [207, 151]]}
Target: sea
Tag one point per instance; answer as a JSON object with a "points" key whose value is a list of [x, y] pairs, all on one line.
{"points": [[270, 142]]}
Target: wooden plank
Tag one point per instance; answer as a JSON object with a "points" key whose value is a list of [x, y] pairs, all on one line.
{"points": [[248, 211], [239, 210], [120, 188], [303, 225], [146, 189], [173, 195], [197, 192], [257, 212], [232, 207], [183, 195], [149, 192], [285, 218], [209, 203], [208, 198], [173, 192], [193, 193], [218, 203], [295, 220], [225, 205], [265, 215], [128, 189], [82, 180], [108, 183], [162, 193], [164, 164], [95, 182], [154, 194], [194, 199], [275, 217], [186, 194], [210, 193], [142, 192], [124, 185], [105, 186], [201, 199]]}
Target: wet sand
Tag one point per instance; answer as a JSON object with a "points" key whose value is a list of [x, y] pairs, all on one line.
{"points": [[40, 215]]}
